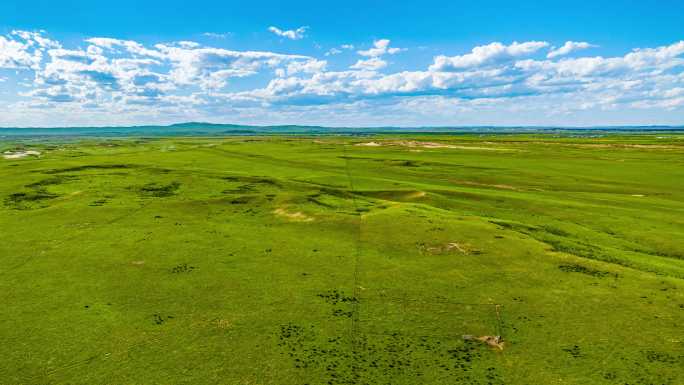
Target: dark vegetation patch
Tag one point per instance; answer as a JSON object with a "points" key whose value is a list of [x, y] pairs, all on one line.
{"points": [[575, 268], [37, 194], [384, 358], [334, 297], [158, 190], [554, 230], [99, 202], [337, 298], [252, 179], [519, 227], [661, 357], [337, 192], [407, 163], [251, 188], [158, 170], [52, 181], [313, 198], [242, 200], [160, 319], [647, 368], [574, 351], [342, 313], [29, 199], [243, 189], [182, 268], [90, 167]]}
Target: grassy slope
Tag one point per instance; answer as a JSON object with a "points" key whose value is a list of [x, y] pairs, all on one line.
{"points": [[314, 260]]}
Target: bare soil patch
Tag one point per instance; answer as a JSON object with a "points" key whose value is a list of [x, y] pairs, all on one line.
{"points": [[493, 341], [19, 154]]}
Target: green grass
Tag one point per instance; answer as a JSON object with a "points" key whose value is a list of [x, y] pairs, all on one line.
{"points": [[295, 260]]}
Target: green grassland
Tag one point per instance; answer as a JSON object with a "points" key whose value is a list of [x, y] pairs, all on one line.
{"points": [[343, 260]]}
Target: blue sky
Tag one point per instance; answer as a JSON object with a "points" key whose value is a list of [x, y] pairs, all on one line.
{"points": [[352, 63]]}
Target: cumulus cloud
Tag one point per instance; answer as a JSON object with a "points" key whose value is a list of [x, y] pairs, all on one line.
{"points": [[211, 67], [24, 49], [123, 72], [590, 82], [311, 66], [187, 80], [380, 47], [372, 64], [492, 53], [117, 45], [292, 34], [568, 47]]}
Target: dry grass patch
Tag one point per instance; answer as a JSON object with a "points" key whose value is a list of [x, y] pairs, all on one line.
{"points": [[295, 216]]}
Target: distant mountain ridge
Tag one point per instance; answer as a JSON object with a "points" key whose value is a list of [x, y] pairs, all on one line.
{"points": [[220, 129]]}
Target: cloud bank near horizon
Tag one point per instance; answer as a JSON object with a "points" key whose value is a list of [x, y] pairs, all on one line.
{"points": [[109, 80]]}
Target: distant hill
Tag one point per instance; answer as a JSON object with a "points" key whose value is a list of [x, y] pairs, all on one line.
{"points": [[214, 129]]}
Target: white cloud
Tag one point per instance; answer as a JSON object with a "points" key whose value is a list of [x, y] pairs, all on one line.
{"points": [[188, 44], [16, 55], [584, 83], [380, 47], [123, 71], [492, 53], [337, 51], [372, 64], [311, 66], [129, 46], [126, 80], [36, 38], [211, 67], [292, 34], [24, 49], [568, 47]]}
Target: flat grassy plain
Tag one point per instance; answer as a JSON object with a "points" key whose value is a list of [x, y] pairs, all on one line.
{"points": [[343, 260]]}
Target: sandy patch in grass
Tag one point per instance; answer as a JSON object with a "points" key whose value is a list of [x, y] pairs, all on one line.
{"points": [[429, 145], [296, 216], [452, 146], [137, 263], [493, 341], [455, 245], [19, 154], [638, 195], [461, 247]]}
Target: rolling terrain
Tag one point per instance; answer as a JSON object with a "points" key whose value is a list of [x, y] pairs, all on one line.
{"points": [[343, 259]]}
